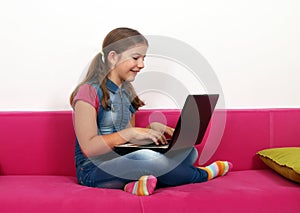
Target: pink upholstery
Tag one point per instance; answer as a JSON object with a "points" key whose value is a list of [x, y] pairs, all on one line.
{"points": [[36, 143], [34, 193], [248, 131], [37, 167]]}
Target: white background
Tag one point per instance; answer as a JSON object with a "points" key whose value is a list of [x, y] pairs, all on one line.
{"points": [[253, 46]]}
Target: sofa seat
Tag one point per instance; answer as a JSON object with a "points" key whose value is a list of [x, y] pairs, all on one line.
{"points": [[239, 191], [33, 193]]}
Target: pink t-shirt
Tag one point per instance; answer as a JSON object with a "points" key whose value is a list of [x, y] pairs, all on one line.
{"points": [[88, 94]]}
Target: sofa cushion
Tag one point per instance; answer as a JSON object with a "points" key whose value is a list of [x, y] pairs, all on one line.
{"points": [[285, 161], [239, 191], [37, 143], [60, 194]]}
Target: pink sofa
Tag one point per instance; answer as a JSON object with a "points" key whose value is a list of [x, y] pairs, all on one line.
{"points": [[37, 171]]}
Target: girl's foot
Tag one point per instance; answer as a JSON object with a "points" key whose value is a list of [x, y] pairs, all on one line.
{"points": [[218, 168], [144, 186]]}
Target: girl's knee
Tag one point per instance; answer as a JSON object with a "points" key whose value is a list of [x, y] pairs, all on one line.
{"points": [[143, 154]]}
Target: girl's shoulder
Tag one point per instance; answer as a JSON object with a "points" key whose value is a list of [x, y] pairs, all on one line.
{"points": [[89, 94]]}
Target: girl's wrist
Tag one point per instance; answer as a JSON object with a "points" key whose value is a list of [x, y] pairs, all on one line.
{"points": [[126, 135], [150, 125]]}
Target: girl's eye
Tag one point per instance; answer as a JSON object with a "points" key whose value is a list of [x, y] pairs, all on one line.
{"points": [[138, 57]]}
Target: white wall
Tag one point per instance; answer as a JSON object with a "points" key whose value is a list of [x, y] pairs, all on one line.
{"points": [[253, 46]]}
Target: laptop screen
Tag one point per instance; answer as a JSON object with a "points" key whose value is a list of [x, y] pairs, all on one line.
{"points": [[194, 119]]}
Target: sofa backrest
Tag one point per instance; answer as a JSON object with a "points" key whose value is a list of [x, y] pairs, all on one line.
{"points": [[43, 142], [37, 143], [249, 131]]}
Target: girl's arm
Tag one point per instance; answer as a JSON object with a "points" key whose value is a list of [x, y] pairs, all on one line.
{"points": [[92, 144], [132, 121]]}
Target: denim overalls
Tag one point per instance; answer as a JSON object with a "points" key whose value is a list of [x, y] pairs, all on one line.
{"points": [[113, 171]]}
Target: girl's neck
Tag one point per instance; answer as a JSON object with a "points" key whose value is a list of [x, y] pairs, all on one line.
{"points": [[117, 81]]}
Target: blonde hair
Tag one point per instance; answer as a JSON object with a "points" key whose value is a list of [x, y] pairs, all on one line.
{"points": [[118, 40]]}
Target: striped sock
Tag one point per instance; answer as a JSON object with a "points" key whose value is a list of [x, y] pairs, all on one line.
{"points": [[144, 186], [218, 168]]}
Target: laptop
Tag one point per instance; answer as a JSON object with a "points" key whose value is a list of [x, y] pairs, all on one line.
{"points": [[190, 128]]}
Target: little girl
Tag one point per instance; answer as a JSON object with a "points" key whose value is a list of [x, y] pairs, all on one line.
{"points": [[104, 106]]}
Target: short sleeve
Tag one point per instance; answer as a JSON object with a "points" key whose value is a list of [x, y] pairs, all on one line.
{"points": [[88, 94]]}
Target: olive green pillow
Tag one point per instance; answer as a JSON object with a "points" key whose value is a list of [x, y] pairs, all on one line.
{"points": [[285, 161]]}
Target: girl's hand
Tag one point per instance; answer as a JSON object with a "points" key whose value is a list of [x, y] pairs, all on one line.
{"points": [[163, 129], [140, 134]]}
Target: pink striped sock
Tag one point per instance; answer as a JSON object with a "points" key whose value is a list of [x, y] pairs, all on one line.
{"points": [[217, 168], [143, 187]]}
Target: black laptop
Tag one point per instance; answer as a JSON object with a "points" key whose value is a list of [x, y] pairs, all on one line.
{"points": [[190, 128]]}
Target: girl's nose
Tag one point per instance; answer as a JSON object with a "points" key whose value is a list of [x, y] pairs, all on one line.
{"points": [[141, 63]]}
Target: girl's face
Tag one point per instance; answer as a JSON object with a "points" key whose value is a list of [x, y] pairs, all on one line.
{"points": [[128, 64]]}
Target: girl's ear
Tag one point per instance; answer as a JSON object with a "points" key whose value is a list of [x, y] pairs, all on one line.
{"points": [[113, 58]]}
